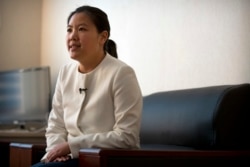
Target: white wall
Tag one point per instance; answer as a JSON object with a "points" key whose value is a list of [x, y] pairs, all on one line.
{"points": [[171, 44], [20, 32]]}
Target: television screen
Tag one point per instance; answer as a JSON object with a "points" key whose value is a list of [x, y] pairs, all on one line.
{"points": [[25, 95]]}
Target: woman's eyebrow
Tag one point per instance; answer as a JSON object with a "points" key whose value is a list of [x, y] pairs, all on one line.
{"points": [[81, 24]]}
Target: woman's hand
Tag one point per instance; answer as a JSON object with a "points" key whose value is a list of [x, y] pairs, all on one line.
{"points": [[58, 153], [61, 159]]}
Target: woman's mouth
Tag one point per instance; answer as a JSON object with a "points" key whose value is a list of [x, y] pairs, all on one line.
{"points": [[74, 47]]}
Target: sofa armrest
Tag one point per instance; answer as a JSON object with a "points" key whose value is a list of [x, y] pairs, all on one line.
{"points": [[23, 155], [126, 157]]}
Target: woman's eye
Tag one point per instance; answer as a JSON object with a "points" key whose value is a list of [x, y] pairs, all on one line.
{"points": [[82, 29], [69, 30]]}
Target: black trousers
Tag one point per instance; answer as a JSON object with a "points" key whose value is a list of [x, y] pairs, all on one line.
{"points": [[69, 163]]}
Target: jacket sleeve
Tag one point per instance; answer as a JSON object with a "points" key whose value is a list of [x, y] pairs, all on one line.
{"points": [[55, 131]]}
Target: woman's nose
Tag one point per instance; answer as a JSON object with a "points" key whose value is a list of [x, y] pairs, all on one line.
{"points": [[73, 35]]}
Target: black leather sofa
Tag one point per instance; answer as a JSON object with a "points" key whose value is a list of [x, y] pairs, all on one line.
{"points": [[210, 118], [191, 127]]}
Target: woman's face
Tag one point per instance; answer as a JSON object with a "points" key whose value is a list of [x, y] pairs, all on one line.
{"points": [[83, 40]]}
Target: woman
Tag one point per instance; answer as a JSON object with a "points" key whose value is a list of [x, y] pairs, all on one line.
{"points": [[97, 100]]}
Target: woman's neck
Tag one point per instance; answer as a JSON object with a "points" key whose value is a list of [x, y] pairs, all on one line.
{"points": [[90, 64]]}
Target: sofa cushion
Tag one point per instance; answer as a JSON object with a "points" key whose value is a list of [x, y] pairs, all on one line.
{"points": [[207, 117]]}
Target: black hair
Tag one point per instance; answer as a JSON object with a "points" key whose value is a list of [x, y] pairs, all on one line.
{"points": [[110, 47], [100, 20]]}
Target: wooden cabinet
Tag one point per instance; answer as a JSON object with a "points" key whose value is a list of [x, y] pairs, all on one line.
{"points": [[4, 153], [22, 137], [16, 147]]}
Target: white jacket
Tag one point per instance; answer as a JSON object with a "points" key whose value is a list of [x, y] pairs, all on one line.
{"points": [[106, 115]]}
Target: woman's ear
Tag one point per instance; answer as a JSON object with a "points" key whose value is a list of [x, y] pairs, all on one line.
{"points": [[104, 37]]}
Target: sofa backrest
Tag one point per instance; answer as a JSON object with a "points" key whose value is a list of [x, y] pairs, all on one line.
{"points": [[208, 117]]}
